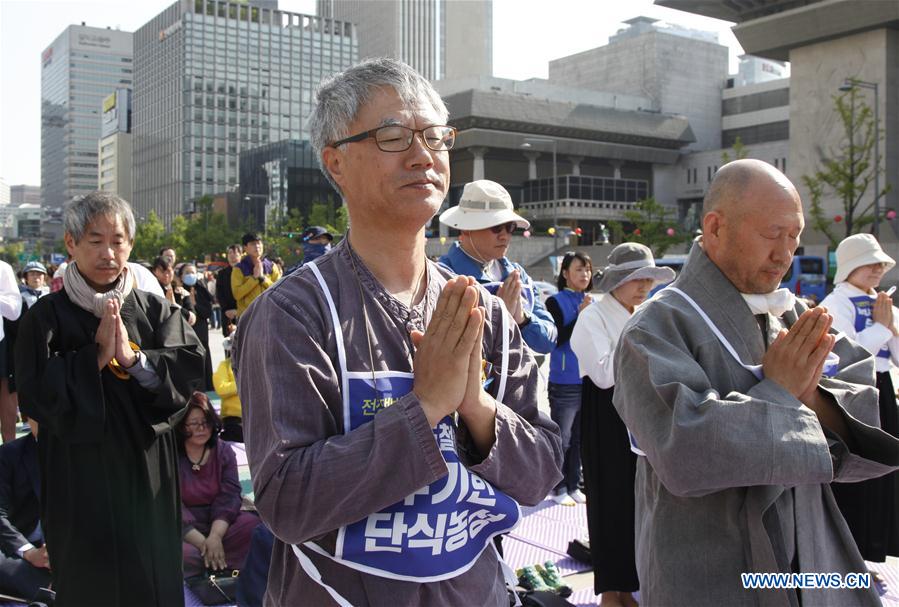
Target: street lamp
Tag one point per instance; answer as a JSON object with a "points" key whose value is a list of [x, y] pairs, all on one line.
{"points": [[248, 197], [848, 85], [528, 141]]}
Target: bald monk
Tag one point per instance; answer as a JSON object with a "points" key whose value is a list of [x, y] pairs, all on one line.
{"points": [[744, 407]]}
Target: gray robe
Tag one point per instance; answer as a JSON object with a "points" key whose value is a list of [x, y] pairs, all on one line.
{"points": [[737, 471]]}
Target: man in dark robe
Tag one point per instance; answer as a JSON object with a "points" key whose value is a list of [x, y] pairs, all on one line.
{"points": [[105, 370]]}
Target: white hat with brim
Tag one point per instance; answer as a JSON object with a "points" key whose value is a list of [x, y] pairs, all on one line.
{"points": [[856, 251], [484, 204], [632, 261]]}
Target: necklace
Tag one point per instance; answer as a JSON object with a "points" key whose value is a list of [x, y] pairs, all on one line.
{"points": [[195, 465]]}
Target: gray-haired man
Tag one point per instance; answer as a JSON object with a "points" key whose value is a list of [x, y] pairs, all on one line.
{"points": [[390, 408], [105, 369]]}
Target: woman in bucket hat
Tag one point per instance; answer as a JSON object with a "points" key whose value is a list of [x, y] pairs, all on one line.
{"points": [[608, 462], [869, 317]]}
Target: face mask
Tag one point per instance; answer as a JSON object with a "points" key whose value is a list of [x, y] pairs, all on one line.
{"points": [[189, 279], [311, 251]]}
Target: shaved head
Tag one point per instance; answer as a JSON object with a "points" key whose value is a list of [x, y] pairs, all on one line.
{"points": [[734, 179], [752, 220]]}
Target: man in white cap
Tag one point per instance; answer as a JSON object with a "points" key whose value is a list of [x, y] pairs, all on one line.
{"points": [[746, 408], [486, 220]]}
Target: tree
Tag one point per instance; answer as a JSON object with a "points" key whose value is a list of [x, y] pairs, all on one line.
{"points": [[653, 226], [148, 238], [739, 151], [848, 171]]}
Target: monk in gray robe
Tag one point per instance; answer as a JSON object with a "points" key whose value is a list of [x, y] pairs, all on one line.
{"points": [[746, 407]]}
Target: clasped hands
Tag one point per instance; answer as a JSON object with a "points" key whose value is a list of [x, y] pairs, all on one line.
{"points": [[795, 359], [112, 338], [448, 355]]}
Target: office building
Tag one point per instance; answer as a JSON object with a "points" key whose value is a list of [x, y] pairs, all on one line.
{"points": [[4, 193], [826, 43], [569, 158], [114, 147], [214, 79], [442, 39], [680, 71], [24, 194], [78, 70]]}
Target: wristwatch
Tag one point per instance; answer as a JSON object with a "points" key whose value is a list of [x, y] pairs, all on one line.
{"points": [[526, 321]]}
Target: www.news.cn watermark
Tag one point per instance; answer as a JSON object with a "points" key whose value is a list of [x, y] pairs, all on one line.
{"points": [[799, 581]]}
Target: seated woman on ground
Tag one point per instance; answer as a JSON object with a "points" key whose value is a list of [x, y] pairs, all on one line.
{"points": [[216, 532]]}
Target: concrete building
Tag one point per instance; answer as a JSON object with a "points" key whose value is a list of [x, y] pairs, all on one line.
{"points": [[114, 148], [78, 70], [756, 116], [601, 149], [679, 71], [216, 78], [24, 194], [439, 38], [755, 70], [26, 222], [4, 193], [826, 42]]}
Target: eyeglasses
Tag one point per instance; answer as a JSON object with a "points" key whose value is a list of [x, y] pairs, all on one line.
{"points": [[508, 227], [196, 426], [398, 138]]}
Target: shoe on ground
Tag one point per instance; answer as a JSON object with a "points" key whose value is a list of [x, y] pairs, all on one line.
{"points": [[563, 499], [530, 579], [553, 578], [578, 496]]}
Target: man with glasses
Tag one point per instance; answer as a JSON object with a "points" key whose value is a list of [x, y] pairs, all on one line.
{"points": [[389, 407], [486, 221]]}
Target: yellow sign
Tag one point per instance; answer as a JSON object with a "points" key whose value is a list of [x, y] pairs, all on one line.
{"points": [[109, 103]]}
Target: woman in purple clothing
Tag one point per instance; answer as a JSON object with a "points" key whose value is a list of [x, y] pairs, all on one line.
{"points": [[216, 533]]}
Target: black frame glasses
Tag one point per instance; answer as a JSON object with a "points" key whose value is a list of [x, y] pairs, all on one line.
{"points": [[398, 138]]}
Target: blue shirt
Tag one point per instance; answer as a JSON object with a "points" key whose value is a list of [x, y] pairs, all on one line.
{"points": [[539, 334]]}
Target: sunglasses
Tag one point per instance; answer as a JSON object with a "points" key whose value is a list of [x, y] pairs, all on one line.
{"points": [[508, 227]]}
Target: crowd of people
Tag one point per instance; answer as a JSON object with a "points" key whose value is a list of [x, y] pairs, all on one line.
{"points": [[389, 402]]}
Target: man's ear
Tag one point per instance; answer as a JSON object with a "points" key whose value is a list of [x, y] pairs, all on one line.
{"points": [[711, 225], [332, 160], [70, 243]]}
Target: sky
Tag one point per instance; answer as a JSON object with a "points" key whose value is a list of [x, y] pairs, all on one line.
{"points": [[527, 34]]}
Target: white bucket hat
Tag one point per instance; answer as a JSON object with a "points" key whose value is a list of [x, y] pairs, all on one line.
{"points": [[631, 261], [856, 251], [484, 204]]}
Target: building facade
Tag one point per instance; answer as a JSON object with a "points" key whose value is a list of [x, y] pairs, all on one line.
{"points": [[78, 70], [569, 158], [114, 147], [4, 193], [680, 71], [442, 39], [826, 43], [24, 194], [214, 79]]}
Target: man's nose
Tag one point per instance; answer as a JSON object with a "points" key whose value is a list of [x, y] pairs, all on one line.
{"points": [[418, 154]]}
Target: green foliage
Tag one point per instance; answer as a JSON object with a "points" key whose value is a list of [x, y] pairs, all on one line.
{"points": [[148, 238], [10, 253], [651, 223], [739, 150], [848, 171], [205, 233]]}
